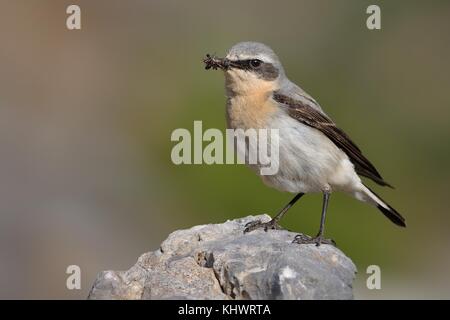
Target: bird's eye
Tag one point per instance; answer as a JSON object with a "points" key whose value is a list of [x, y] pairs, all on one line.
{"points": [[255, 63]]}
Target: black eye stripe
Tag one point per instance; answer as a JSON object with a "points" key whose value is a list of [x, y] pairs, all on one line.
{"points": [[265, 70], [242, 64]]}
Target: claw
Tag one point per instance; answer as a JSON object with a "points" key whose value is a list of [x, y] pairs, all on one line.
{"points": [[257, 224], [318, 240]]}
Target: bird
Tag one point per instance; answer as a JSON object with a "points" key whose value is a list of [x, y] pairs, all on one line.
{"points": [[315, 155]]}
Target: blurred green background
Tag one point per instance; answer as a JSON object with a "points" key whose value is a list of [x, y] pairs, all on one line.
{"points": [[86, 118]]}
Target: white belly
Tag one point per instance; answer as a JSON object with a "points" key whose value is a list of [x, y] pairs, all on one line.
{"points": [[308, 160]]}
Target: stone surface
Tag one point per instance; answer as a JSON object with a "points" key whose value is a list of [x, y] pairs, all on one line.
{"points": [[219, 261]]}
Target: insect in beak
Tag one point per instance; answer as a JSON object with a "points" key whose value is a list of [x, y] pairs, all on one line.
{"points": [[213, 62]]}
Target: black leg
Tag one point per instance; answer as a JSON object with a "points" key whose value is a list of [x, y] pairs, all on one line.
{"points": [[272, 224], [326, 197], [287, 207], [318, 240]]}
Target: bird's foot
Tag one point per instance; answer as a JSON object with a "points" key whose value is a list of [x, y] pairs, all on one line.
{"points": [[257, 224], [318, 240]]}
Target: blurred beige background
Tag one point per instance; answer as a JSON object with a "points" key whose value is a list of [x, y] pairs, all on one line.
{"points": [[86, 118]]}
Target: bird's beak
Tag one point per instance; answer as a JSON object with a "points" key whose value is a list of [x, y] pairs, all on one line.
{"points": [[216, 63]]}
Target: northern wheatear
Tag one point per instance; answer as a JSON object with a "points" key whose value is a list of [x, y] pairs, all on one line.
{"points": [[314, 154]]}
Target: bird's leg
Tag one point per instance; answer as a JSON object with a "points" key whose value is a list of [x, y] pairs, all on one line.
{"points": [[272, 224], [319, 239]]}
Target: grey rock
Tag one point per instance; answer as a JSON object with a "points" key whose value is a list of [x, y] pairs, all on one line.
{"points": [[219, 261]]}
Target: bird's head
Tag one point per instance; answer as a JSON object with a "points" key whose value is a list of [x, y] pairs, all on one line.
{"points": [[249, 67]]}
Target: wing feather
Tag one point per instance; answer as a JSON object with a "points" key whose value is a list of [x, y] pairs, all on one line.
{"points": [[314, 118]]}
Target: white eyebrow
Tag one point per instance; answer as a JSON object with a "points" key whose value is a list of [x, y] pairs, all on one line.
{"points": [[261, 57]]}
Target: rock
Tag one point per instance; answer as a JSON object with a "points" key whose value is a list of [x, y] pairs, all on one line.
{"points": [[219, 261]]}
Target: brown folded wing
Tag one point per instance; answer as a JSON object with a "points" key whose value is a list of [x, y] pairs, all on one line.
{"points": [[316, 119]]}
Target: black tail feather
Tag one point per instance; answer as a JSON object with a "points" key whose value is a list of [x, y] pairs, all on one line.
{"points": [[393, 215], [390, 212]]}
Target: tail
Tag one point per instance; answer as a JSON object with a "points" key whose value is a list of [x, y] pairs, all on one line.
{"points": [[390, 213]]}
